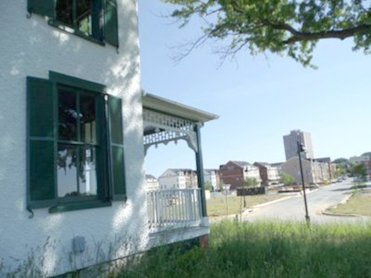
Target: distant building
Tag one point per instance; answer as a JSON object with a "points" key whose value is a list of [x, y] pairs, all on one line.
{"points": [[278, 165], [359, 159], [187, 178], [331, 167], [313, 171], [152, 183], [178, 179], [269, 174], [364, 159], [367, 154], [212, 176], [235, 173], [368, 168], [290, 143]]}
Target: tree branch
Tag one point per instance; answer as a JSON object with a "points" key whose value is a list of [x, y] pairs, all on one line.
{"points": [[298, 36], [331, 34]]}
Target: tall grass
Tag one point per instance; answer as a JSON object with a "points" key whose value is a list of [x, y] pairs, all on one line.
{"points": [[266, 250]]}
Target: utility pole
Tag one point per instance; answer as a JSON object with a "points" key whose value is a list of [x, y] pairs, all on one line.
{"points": [[301, 149]]}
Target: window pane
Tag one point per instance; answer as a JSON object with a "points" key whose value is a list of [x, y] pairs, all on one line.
{"points": [[67, 171], [84, 16], [64, 11], [67, 115], [88, 119], [88, 174]]}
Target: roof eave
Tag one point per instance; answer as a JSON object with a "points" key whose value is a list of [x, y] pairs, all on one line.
{"points": [[174, 108]]}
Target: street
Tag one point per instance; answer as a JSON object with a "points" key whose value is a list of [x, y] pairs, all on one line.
{"points": [[318, 200]]}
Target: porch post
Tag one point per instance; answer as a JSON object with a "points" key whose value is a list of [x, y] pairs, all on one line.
{"points": [[200, 169]]}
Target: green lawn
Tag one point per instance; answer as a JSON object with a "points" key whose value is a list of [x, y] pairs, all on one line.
{"points": [[358, 204], [233, 205], [265, 249]]}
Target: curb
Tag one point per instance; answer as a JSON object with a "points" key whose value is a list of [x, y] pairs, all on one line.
{"points": [[246, 212], [345, 199], [283, 199], [275, 201], [324, 212]]}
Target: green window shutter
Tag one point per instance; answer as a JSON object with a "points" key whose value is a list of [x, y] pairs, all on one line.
{"points": [[115, 109], [116, 148], [111, 23], [118, 173], [97, 20], [41, 142], [42, 7]]}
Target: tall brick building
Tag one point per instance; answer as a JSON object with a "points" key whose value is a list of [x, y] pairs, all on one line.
{"points": [[235, 173]]}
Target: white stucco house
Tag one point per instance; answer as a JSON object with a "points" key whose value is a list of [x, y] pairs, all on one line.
{"points": [[75, 126]]}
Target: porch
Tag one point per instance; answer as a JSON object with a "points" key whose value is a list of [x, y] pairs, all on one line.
{"points": [[174, 208], [175, 214]]}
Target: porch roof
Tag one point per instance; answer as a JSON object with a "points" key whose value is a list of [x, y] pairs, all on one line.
{"points": [[177, 109]]}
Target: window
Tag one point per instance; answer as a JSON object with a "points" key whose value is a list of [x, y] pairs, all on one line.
{"points": [[78, 14], [93, 19], [75, 144]]}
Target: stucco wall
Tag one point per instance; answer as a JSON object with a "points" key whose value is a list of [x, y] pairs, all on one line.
{"points": [[31, 47]]}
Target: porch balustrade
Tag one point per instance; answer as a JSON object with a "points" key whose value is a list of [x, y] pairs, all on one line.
{"points": [[174, 208]]}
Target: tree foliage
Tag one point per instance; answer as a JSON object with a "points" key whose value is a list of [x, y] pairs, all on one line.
{"points": [[343, 166], [359, 170], [209, 186], [250, 182], [342, 161], [290, 27], [341, 170], [287, 179]]}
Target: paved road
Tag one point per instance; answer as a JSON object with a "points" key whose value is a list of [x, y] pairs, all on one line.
{"points": [[293, 208]]}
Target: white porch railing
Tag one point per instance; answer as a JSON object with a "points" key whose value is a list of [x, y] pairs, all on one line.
{"points": [[174, 208]]}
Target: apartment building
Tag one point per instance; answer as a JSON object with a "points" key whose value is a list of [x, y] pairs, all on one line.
{"points": [[235, 173], [269, 174], [290, 143]]}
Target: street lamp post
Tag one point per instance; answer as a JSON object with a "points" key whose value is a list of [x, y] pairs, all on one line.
{"points": [[301, 149]]}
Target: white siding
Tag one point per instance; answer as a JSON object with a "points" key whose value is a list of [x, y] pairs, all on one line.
{"points": [[31, 47], [273, 174], [252, 172], [210, 176], [172, 180]]}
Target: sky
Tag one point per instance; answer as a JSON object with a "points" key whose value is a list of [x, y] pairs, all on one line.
{"points": [[258, 98]]}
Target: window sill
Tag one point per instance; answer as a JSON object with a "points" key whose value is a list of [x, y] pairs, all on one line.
{"points": [[70, 206], [70, 30]]}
